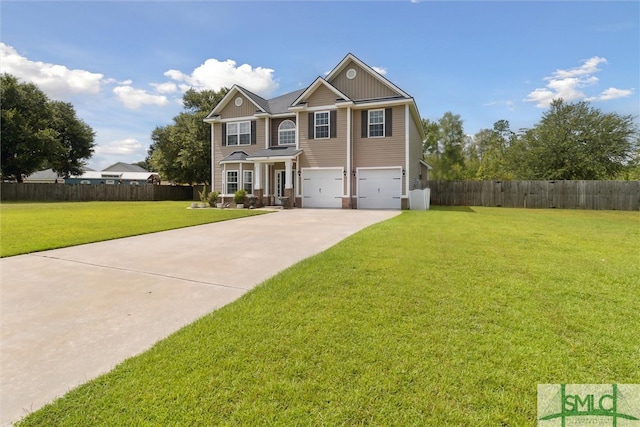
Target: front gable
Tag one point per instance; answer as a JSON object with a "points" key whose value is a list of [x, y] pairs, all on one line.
{"points": [[238, 102], [321, 97], [240, 106], [321, 93], [360, 82]]}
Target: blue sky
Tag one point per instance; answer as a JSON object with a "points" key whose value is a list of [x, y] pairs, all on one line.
{"points": [[125, 64]]}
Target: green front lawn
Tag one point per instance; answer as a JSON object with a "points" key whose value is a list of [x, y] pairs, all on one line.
{"points": [[449, 317], [31, 227]]}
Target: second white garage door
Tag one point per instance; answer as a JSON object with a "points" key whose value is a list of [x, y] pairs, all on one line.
{"points": [[379, 188], [322, 188]]}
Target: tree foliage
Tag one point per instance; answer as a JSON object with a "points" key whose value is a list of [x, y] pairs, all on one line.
{"points": [[572, 141], [444, 146], [576, 141], [181, 151], [74, 140], [39, 133], [493, 148]]}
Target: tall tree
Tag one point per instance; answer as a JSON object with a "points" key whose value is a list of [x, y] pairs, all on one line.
{"points": [[38, 133], [492, 146], [432, 135], [74, 140], [27, 139], [451, 140], [181, 151], [577, 141]]}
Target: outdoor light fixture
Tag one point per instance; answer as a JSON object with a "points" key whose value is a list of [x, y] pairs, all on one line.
{"points": [[403, 172]]}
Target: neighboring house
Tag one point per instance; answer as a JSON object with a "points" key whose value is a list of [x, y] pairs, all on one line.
{"points": [[118, 173], [351, 139], [47, 176]]}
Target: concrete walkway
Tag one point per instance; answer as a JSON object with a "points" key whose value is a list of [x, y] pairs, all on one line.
{"points": [[69, 315]]}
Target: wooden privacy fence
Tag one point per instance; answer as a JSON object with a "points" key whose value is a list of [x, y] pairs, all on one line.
{"points": [[94, 192], [610, 195]]}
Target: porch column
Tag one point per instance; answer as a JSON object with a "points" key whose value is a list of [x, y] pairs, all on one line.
{"points": [[267, 184], [258, 192], [288, 182], [257, 172]]}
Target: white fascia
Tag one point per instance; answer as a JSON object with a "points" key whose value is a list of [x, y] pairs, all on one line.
{"points": [[382, 103]]}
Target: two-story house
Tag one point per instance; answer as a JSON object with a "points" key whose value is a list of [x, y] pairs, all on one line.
{"points": [[352, 139]]}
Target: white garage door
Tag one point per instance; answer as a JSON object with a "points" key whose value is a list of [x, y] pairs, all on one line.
{"points": [[322, 188], [379, 188]]}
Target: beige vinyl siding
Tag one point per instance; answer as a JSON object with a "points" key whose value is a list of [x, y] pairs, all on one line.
{"points": [[220, 152], [324, 153], [363, 86], [322, 96], [415, 154], [248, 108], [382, 151]]}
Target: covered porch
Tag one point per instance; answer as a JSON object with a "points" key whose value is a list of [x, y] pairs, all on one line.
{"points": [[268, 176]]}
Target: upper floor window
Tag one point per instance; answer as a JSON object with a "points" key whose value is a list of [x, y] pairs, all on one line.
{"points": [[321, 120], [376, 123], [286, 133], [322, 124], [239, 133]]}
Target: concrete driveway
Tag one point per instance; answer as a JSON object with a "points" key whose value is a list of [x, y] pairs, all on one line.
{"points": [[69, 315]]}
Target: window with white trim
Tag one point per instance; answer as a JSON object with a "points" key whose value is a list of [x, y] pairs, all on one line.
{"points": [[321, 120], [376, 123], [247, 181], [231, 182], [287, 133], [239, 133]]}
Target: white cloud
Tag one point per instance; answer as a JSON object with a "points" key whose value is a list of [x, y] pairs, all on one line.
{"points": [[134, 98], [589, 67], [124, 147], [510, 105], [569, 85], [214, 75], [380, 70], [613, 93], [57, 81], [167, 87]]}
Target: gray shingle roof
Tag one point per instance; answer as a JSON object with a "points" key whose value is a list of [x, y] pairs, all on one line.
{"points": [[282, 103], [124, 167], [278, 105], [47, 174], [257, 99], [236, 156], [275, 152]]}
